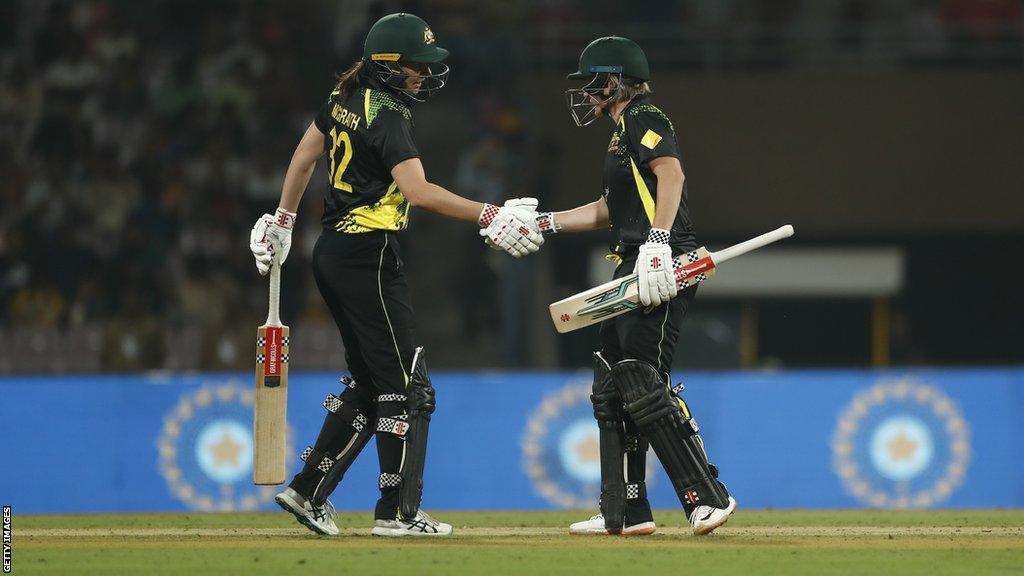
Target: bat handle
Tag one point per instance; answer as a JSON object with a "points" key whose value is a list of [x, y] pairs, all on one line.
{"points": [[274, 313], [752, 244]]}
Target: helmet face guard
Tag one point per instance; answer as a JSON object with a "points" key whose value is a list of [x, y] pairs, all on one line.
{"points": [[584, 103], [392, 77]]}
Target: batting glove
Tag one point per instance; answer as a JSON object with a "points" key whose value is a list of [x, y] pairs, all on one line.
{"points": [[269, 231], [655, 278], [508, 233], [502, 226]]}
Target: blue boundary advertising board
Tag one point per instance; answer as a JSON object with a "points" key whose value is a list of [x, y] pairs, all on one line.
{"points": [[923, 438]]}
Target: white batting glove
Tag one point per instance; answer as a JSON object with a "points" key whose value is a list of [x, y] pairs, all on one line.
{"points": [[525, 209], [654, 269], [513, 227], [270, 230], [508, 233]]}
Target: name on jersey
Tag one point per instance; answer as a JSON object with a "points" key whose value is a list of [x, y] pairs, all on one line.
{"points": [[344, 117]]}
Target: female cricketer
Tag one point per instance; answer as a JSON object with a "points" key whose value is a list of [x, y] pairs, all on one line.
{"points": [[644, 206], [374, 176]]}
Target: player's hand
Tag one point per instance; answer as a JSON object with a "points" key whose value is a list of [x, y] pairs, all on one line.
{"points": [[269, 231], [655, 277], [525, 209], [509, 233]]}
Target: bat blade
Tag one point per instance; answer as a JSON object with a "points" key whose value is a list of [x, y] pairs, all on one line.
{"points": [[270, 421], [622, 294]]}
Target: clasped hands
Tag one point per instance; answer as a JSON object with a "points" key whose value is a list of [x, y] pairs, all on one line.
{"points": [[515, 227]]}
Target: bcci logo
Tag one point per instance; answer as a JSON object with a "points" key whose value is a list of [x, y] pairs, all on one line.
{"points": [[561, 448], [901, 444], [206, 450]]}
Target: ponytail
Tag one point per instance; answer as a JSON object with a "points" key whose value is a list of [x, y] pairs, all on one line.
{"points": [[348, 80]]}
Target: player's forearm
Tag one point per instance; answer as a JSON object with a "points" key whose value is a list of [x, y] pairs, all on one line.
{"points": [[300, 169], [438, 200], [593, 216], [295, 182]]}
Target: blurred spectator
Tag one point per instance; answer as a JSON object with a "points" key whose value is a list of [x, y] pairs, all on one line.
{"points": [[983, 30], [926, 36], [139, 140]]}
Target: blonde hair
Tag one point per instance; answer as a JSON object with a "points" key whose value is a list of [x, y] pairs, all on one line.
{"points": [[628, 91]]}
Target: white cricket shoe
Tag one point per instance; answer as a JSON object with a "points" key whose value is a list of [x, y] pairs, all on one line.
{"points": [[421, 525], [705, 519], [319, 520], [595, 526]]}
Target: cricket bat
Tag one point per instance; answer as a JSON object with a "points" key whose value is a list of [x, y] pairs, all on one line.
{"points": [[622, 294], [270, 420]]}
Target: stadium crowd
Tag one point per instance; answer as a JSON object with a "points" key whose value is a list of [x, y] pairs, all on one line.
{"points": [[141, 139]]}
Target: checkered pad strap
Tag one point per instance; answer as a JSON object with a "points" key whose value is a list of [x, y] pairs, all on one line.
{"points": [[397, 425], [636, 490], [678, 388], [392, 398], [347, 382], [389, 480], [334, 405], [325, 463], [658, 236]]}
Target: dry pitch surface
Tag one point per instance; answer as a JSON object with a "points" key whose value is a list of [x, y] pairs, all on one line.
{"points": [[753, 542]]}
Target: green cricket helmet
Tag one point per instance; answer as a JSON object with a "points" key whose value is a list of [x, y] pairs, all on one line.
{"points": [[603, 58], [405, 38]]}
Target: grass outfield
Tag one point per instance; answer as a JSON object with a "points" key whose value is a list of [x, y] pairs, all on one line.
{"points": [[753, 542]]}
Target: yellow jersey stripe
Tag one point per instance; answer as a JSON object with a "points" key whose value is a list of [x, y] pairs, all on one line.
{"points": [[645, 194], [641, 187]]}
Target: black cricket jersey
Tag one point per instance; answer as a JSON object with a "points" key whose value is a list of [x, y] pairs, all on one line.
{"points": [[630, 187], [366, 135]]}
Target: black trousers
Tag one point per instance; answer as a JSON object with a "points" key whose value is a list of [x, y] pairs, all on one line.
{"points": [[361, 280], [649, 335]]}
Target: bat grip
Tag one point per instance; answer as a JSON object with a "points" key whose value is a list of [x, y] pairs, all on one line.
{"points": [[274, 313], [752, 244]]}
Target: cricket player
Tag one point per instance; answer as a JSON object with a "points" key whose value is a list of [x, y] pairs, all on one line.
{"points": [[644, 207], [365, 130]]}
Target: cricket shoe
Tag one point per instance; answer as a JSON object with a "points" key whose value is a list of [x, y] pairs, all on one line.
{"points": [[595, 526], [704, 519], [318, 519], [421, 525]]}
